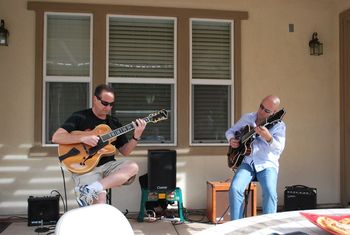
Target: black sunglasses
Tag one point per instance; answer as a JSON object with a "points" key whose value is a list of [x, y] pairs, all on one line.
{"points": [[265, 109], [105, 103]]}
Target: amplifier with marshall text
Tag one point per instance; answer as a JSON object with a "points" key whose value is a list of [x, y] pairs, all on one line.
{"points": [[299, 197]]}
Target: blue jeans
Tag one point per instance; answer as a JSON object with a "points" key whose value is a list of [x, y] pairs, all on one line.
{"points": [[268, 182]]}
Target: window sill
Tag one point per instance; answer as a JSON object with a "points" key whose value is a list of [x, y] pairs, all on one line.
{"points": [[51, 151], [140, 151], [40, 151]]}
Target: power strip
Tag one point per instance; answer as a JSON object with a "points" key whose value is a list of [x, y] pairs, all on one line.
{"points": [[170, 219]]}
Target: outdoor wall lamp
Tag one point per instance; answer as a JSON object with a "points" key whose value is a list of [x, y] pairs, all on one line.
{"points": [[316, 47], [4, 34]]}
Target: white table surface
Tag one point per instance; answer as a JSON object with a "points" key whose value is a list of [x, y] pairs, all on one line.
{"points": [[273, 224]]}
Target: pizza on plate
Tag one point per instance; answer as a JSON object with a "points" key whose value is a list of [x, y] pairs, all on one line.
{"points": [[341, 227]]}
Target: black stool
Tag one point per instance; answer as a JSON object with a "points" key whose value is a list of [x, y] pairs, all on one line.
{"points": [[246, 195], [109, 196]]}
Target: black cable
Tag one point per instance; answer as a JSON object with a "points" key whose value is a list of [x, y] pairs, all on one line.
{"points": [[246, 198], [202, 220], [51, 232], [188, 213], [41, 230], [216, 222], [222, 215], [65, 190], [64, 205]]}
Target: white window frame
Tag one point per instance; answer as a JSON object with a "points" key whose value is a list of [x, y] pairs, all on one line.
{"points": [[229, 82], [172, 81], [85, 79]]}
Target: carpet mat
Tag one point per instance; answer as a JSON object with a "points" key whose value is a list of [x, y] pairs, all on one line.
{"points": [[3, 226]]}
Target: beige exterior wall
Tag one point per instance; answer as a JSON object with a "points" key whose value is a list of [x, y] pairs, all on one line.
{"points": [[273, 61]]}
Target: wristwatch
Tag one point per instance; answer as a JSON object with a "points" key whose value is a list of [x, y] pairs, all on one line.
{"points": [[137, 139]]}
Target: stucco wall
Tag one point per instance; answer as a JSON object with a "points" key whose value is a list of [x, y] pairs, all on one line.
{"points": [[273, 61]]}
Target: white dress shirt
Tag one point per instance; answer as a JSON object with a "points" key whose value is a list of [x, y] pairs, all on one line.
{"points": [[263, 154]]}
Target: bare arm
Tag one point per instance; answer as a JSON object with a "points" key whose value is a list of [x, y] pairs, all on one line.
{"points": [[61, 136], [139, 126]]}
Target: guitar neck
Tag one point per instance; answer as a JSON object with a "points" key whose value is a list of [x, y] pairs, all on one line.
{"points": [[268, 123], [250, 133], [121, 130]]}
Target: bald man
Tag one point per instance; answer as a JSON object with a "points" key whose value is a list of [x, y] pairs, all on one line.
{"points": [[262, 163]]}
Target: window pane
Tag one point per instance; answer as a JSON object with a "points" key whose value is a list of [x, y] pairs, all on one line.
{"points": [[141, 47], [211, 113], [138, 101], [68, 45], [211, 50], [62, 99]]}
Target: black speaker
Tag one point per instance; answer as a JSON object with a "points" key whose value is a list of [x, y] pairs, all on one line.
{"points": [[43, 210], [299, 197], [162, 170]]}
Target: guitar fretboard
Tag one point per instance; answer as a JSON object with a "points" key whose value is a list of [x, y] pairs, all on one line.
{"points": [[249, 134], [267, 123], [121, 130]]}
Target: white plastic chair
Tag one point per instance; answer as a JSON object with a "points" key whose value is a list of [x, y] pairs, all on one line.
{"points": [[94, 219]]}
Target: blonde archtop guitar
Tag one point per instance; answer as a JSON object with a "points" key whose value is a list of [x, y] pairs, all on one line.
{"points": [[81, 158]]}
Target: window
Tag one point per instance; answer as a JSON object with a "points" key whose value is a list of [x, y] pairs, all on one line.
{"points": [[141, 68], [67, 68], [178, 59], [211, 80]]}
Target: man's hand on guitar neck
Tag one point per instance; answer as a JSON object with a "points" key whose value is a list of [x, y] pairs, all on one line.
{"points": [[264, 133], [139, 126]]}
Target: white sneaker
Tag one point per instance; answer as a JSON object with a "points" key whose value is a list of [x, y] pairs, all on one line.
{"points": [[85, 196]]}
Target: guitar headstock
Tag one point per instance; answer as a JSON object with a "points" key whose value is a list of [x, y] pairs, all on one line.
{"points": [[276, 117], [158, 116]]}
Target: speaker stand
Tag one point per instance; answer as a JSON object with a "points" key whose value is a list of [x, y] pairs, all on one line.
{"points": [[173, 196]]}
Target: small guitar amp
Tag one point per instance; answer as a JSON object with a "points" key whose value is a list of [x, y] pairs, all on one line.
{"points": [[299, 197], [43, 210]]}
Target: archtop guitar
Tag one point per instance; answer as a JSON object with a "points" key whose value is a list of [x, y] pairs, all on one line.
{"points": [[81, 158], [246, 136]]}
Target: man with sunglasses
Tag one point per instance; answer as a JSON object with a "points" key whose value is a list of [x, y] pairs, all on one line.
{"points": [[109, 173], [262, 163]]}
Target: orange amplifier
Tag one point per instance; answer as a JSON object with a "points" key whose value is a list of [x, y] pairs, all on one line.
{"points": [[218, 202]]}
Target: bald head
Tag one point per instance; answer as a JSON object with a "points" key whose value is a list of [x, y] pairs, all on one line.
{"points": [[268, 106], [272, 101]]}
